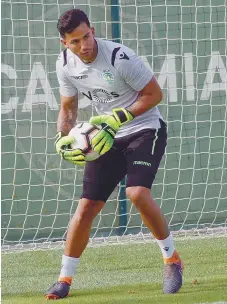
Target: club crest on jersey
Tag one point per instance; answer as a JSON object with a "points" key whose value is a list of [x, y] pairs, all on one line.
{"points": [[108, 76]]}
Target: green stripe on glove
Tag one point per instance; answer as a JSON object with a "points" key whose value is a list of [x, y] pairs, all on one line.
{"points": [[104, 139]]}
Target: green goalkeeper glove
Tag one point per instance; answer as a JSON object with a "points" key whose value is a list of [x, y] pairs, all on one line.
{"points": [[62, 144], [103, 140]]}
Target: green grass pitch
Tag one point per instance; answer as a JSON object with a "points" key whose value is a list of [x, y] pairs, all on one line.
{"points": [[120, 274]]}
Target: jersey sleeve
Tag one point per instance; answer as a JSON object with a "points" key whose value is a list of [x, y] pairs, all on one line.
{"points": [[66, 88], [132, 69]]}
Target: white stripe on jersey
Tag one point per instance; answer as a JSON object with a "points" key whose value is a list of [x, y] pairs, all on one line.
{"points": [[112, 80]]}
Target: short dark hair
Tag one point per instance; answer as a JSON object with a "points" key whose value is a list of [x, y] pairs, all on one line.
{"points": [[70, 20]]}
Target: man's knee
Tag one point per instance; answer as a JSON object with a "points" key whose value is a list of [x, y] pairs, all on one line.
{"points": [[88, 209], [138, 194]]}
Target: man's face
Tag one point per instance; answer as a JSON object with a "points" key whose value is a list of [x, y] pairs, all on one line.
{"points": [[81, 42]]}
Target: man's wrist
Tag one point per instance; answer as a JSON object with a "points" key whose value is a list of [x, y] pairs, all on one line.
{"points": [[122, 115], [58, 136], [62, 133]]}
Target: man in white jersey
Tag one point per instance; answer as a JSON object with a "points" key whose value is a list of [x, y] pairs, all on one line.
{"points": [[132, 139]]}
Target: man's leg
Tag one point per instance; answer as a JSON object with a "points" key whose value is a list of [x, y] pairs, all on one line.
{"points": [[154, 219], [100, 178], [150, 212], [80, 227], [76, 241], [78, 236], [144, 155]]}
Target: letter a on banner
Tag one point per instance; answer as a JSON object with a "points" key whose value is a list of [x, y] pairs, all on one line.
{"points": [[48, 98]]}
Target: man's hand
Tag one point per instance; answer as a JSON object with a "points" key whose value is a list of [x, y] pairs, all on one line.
{"points": [[62, 144], [103, 140]]}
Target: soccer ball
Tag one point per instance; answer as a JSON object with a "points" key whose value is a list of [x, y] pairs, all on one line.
{"points": [[83, 133]]}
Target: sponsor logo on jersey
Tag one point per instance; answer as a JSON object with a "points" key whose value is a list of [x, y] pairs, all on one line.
{"points": [[141, 163], [108, 76], [101, 95], [124, 56], [80, 77]]}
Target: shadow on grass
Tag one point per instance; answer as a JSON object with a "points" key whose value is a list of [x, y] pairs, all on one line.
{"points": [[209, 291]]}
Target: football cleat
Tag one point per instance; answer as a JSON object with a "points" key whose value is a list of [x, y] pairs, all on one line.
{"points": [[58, 291], [173, 274]]}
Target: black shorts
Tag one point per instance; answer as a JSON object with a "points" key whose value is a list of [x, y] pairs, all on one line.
{"points": [[137, 156]]}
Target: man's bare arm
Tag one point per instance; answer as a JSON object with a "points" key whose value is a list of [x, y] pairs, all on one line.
{"points": [[68, 114], [149, 97]]}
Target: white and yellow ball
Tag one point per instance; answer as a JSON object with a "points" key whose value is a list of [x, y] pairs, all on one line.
{"points": [[83, 133]]}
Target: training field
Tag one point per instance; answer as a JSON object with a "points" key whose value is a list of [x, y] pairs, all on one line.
{"points": [[120, 274]]}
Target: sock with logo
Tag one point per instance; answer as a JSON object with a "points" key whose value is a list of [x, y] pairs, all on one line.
{"points": [[167, 247], [69, 267]]}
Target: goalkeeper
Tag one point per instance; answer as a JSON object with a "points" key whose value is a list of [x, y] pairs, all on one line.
{"points": [[131, 141]]}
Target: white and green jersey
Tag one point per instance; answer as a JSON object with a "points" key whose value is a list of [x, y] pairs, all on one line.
{"points": [[113, 80]]}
